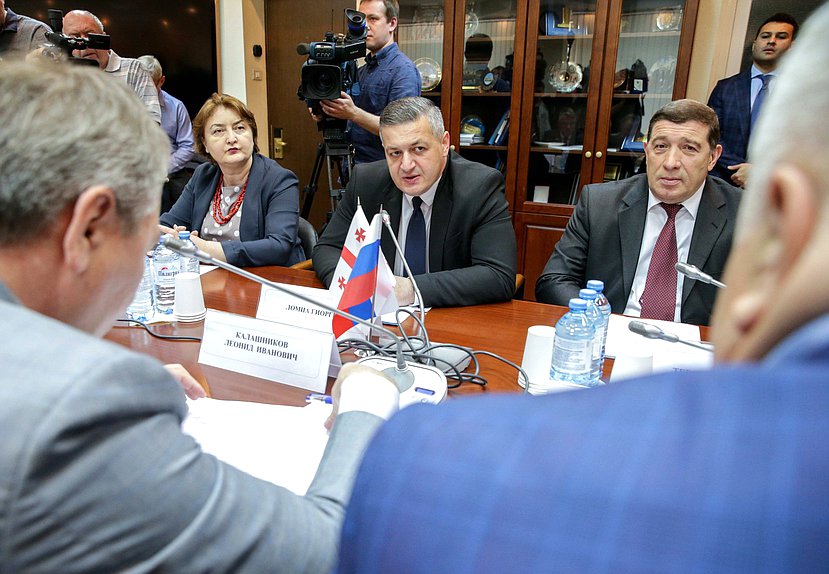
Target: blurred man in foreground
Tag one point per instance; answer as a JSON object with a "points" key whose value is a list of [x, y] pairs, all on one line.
{"points": [[95, 473], [718, 471]]}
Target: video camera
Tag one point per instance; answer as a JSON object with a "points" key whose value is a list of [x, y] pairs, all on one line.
{"points": [[331, 68], [62, 46]]}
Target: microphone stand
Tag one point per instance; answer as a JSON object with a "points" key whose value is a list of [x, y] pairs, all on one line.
{"points": [[402, 375], [384, 215], [459, 359]]}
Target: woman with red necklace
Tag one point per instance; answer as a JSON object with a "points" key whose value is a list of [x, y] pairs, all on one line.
{"points": [[242, 207]]}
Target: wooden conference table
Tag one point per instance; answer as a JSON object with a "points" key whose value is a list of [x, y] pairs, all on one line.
{"points": [[499, 328]]}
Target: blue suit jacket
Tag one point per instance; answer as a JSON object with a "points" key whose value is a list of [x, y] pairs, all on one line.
{"points": [[724, 470], [270, 213], [731, 99]]}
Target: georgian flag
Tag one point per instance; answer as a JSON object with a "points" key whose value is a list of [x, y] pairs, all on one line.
{"points": [[370, 292]]}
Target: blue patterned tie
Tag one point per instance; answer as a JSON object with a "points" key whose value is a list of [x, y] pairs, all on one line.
{"points": [[761, 96], [416, 239]]}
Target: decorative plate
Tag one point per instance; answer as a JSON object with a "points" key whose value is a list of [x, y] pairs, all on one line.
{"points": [[430, 73]]}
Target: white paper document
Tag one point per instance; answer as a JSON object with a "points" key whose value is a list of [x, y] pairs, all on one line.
{"points": [[280, 444]]}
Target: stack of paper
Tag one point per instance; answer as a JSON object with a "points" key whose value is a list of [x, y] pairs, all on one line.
{"points": [[280, 444]]}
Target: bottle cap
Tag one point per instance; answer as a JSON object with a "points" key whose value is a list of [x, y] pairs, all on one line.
{"points": [[588, 294], [183, 235], [596, 285], [577, 304]]}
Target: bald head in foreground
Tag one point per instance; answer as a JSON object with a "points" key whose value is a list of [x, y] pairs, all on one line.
{"points": [[95, 473], [725, 470]]}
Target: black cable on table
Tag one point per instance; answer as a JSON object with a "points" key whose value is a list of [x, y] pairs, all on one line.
{"points": [[159, 335]]}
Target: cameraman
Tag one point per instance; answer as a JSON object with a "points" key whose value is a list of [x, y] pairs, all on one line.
{"points": [[387, 75], [80, 23]]}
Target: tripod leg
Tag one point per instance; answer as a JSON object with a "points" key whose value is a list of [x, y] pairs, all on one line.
{"points": [[333, 191], [311, 189]]}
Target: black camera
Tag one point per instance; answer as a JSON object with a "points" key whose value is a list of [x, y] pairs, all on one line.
{"points": [[331, 68], [61, 46]]}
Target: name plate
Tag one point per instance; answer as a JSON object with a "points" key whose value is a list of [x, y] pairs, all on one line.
{"points": [[271, 351], [285, 308]]}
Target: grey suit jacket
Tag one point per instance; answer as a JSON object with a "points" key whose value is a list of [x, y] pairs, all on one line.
{"points": [[604, 236], [96, 475], [472, 254]]}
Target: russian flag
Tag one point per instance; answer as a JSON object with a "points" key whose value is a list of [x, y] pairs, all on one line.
{"points": [[356, 297]]}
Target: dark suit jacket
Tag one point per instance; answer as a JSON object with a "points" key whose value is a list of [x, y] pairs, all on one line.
{"points": [[712, 471], [270, 213], [472, 254], [731, 99], [604, 237]]}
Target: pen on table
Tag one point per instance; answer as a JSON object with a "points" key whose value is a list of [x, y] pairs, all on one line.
{"points": [[310, 397]]}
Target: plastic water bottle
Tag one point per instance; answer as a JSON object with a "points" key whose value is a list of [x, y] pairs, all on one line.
{"points": [[597, 318], [604, 306], [573, 347], [166, 266], [141, 308], [188, 263]]}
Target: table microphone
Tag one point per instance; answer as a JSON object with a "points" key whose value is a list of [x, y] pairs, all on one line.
{"points": [[416, 382], [384, 215], [650, 331], [694, 272], [445, 355]]}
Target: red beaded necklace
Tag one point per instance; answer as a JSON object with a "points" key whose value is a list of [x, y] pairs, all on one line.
{"points": [[217, 203]]}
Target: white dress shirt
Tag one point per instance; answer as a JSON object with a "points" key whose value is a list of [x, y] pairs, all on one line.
{"points": [[405, 215], [654, 222]]}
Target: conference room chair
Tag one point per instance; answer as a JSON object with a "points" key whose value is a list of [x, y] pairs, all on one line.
{"points": [[519, 287], [308, 237]]}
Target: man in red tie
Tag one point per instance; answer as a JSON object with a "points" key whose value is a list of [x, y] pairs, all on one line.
{"points": [[631, 233]]}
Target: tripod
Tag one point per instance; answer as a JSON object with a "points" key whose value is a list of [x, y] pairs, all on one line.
{"points": [[334, 152]]}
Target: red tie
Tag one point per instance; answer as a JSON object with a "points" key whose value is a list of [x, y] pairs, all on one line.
{"points": [[658, 300]]}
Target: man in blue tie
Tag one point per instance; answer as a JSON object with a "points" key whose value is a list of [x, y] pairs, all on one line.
{"points": [[449, 214], [738, 99]]}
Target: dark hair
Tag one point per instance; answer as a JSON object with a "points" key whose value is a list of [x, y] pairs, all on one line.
{"points": [[221, 101], [391, 6], [681, 111], [782, 18]]}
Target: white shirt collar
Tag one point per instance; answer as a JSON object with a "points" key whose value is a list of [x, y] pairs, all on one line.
{"points": [[757, 72], [691, 204], [114, 62], [428, 197]]}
